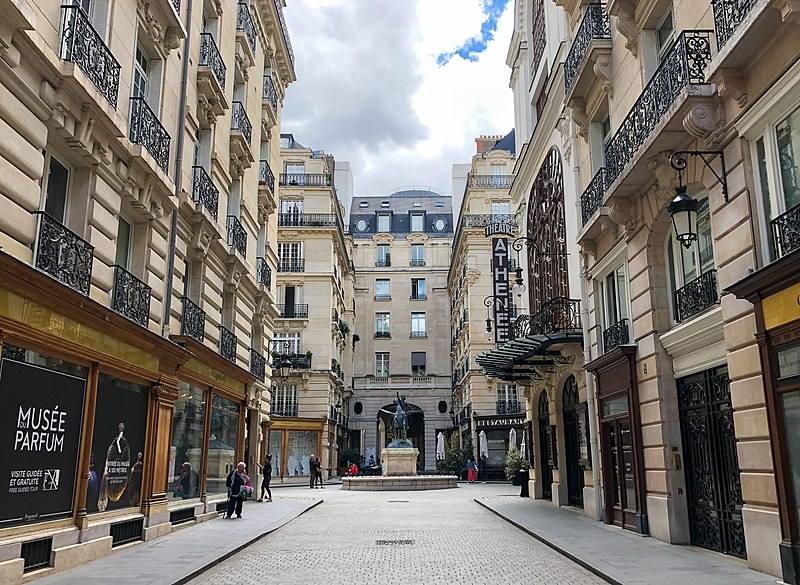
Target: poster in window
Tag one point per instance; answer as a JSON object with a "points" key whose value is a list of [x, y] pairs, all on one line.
{"points": [[40, 426], [116, 466]]}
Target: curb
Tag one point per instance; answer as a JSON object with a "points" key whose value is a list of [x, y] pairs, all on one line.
{"points": [[586, 565], [229, 554]]}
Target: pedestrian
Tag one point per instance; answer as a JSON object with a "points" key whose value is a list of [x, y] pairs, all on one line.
{"points": [[312, 470], [482, 468], [353, 471], [472, 470], [237, 484], [266, 469], [318, 473]]}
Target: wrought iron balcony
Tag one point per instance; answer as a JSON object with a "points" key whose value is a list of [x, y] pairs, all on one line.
{"points": [[265, 176], [240, 122], [417, 262], [146, 130], [210, 57], [258, 364], [481, 220], [418, 297], [490, 181], [786, 232], [383, 262], [294, 311], [284, 30], [284, 409], [263, 273], [63, 254], [204, 192], [683, 65], [307, 220], [696, 296], [728, 15], [383, 334], [292, 265], [237, 236], [306, 179], [616, 335], [559, 315], [82, 45], [193, 322], [269, 94], [593, 26], [508, 407], [244, 24], [592, 197], [298, 361], [131, 297], [227, 344]]}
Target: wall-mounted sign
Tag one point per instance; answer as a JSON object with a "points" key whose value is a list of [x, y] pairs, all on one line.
{"points": [[501, 422], [500, 290], [40, 433]]}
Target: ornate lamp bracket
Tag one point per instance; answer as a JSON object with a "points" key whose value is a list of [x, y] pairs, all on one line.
{"points": [[678, 162]]}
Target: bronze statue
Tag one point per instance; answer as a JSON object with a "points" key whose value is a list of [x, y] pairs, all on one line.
{"points": [[400, 423]]}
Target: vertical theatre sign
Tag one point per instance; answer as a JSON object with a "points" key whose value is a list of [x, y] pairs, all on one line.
{"points": [[500, 289], [40, 430]]}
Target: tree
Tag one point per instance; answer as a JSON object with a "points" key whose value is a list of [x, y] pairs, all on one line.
{"points": [[515, 463], [454, 461]]}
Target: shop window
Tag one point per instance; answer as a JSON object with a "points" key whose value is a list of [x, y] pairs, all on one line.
{"points": [[300, 445], [187, 443], [222, 442], [418, 289], [418, 363], [120, 424], [276, 448], [382, 364]]}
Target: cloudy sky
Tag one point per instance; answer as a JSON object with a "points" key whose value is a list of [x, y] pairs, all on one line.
{"points": [[399, 88]]}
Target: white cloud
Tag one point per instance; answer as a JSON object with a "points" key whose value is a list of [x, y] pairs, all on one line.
{"points": [[369, 90]]}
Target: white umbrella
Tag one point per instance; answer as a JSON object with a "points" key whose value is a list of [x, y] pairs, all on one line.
{"points": [[440, 446], [523, 449], [483, 445], [512, 439]]}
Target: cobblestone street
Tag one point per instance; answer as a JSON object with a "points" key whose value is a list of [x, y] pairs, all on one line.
{"points": [[398, 537]]}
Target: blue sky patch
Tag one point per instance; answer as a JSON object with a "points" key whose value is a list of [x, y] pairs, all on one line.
{"points": [[474, 46]]}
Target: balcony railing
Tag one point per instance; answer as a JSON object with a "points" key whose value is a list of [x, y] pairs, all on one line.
{"points": [[298, 361], [419, 297], [696, 296], [295, 311], [419, 334], [244, 24], [176, 4], [268, 92], [592, 197], [559, 315], [417, 262], [237, 236], [284, 409], [593, 26], [383, 262], [227, 344], [728, 15], [306, 179], [480, 220], [258, 364], [307, 220], [193, 322], [786, 232], [682, 65], [383, 297], [82, 45], [146, 129], [131, 297], [383, 334], [490, 181], [284, 30], [240, 122], [616, 335], [210, 57], [508, 407], [293, 265], [265, 176], [263, 273], [204, 192], [63, 254]]}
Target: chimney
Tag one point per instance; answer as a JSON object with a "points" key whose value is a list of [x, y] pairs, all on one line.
{"points": [[485, 143]]}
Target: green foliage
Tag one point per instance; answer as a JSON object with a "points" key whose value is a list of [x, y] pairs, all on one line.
{"points": [[344, 327], [514, 463], [348, 456], [454, 460]]}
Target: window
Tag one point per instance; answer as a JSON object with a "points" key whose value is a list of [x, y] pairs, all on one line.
{"points": [[382, 325], [124, 242], [613, 296], [280, 341], [498, 170], [384, 222], [418, 325], [418, 290], [418, 363], [417, 204], [501, 208], [664, 34], [382, 364], [507, 392], [284, 400], [188, 423], [417, 222], [385, 204], [56, 189], [417, 254], [290, 256], [295, 168], [383, 290], [141, 69], [286, 142], [291, 212], [363, 204], [439, 205], [688, 264], [383, 256]]}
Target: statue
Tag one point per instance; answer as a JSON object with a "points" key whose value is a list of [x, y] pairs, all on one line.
{"points": [[400, 423]]}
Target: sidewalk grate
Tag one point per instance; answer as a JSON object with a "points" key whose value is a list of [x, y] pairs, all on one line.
{"points": [[393, 542]]}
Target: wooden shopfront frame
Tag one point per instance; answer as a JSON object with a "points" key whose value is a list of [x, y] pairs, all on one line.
{"points": [[284, 426]]}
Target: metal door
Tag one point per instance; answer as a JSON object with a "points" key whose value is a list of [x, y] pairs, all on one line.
{"points": [[713, 486], [544, 471], [571, 451]]}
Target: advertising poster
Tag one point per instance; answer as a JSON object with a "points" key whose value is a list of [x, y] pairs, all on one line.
{"points": [[40, 432], [115, 470]]}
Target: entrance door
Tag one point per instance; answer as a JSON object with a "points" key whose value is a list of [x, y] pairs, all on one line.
{"points": [[712, 469], [545, 472], [620, 486], [571, 450]]}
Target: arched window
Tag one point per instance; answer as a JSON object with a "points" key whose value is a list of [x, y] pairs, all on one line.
{"points": [[547, 267], [571, 397]]}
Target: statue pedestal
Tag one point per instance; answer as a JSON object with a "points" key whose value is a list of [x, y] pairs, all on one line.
{"points": [[399, 461]]}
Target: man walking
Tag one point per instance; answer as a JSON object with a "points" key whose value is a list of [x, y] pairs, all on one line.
{"points": [[312, 470]]}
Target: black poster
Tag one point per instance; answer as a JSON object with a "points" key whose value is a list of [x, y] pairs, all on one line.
{"points": [[115, 470], [40, 433], [500, 289]]}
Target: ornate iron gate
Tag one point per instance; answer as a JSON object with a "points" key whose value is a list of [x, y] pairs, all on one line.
{"points": [[571, 429], [545, 472], [712, 469]]}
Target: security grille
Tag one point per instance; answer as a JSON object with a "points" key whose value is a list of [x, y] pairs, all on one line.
{"points": [[125, 532], [181, 516], [36, 554]]}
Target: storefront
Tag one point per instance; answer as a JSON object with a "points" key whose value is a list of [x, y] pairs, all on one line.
{"points": [[497, 429], [291, 444]]}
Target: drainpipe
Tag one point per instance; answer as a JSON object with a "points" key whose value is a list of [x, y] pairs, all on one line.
{"points": [[173, 229]]}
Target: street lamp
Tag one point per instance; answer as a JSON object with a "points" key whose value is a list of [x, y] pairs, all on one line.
{"points": [[519, 284], [285, 364], [488, 302], [683, 209]]}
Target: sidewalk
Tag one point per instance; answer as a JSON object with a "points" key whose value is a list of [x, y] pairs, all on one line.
{"points": [[188, 551], [619, 556]]}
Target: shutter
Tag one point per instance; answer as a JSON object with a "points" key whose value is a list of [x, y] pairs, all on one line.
{"points": [[417, 358], [153, 96], [98, 15]]}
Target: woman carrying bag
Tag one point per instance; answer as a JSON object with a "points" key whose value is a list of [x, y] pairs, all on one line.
{"points": [[239, 489]]}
